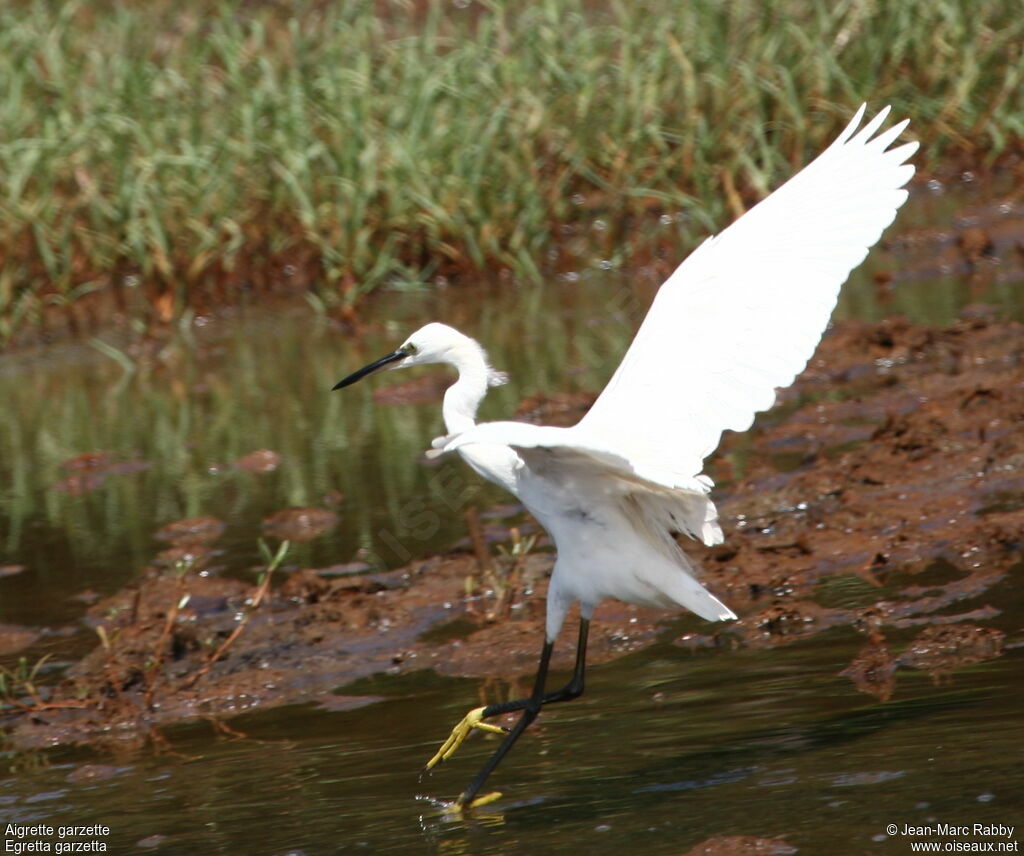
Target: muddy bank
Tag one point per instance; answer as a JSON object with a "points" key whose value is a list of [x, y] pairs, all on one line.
{"points": [[884, 493]]}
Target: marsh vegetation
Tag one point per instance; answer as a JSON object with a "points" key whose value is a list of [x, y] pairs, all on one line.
{"points": [[171, 155]]}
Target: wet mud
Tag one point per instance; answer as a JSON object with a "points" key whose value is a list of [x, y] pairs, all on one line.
{"points": [[741, 845], [883, 494]]}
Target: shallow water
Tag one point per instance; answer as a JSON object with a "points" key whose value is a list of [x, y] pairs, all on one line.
{"points": [[667, 747], [736, 743]]}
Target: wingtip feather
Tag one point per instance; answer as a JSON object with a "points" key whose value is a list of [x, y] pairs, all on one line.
{"points": [[869, 130], [852, 125]]}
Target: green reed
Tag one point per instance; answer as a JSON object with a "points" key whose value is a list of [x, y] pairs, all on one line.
{"points": [[163, 155]]}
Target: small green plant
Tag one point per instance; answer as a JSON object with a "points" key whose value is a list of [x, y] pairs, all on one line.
{"points": [[502, 578], [21, 681], [273, 561], [181, 599], [510, 586]]}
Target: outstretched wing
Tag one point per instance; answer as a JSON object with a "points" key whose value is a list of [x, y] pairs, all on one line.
{"points": [[744, 312], [739, 318]]}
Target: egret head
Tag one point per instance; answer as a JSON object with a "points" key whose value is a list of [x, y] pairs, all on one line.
{"points": [[434, 343]]}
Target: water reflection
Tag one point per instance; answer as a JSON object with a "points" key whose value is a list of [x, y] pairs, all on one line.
{"points": [[783, 750], [775, 744], [190, 407]]}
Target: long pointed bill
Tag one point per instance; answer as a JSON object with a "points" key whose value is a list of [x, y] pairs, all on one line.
{"points": [[370, 369]]}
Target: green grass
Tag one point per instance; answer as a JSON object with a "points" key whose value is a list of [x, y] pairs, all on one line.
{"points": [[156, 156]]}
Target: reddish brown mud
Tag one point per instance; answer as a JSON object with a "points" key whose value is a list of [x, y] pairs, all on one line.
{"points": [[15, 638], [299, 524], [260, 461], [89, 471], [741, 845], [885, 493]]}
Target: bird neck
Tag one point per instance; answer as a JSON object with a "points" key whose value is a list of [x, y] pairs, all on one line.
{"points": [[463, 397]]}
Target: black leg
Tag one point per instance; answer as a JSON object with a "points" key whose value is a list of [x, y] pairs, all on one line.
{"points": [[531, 707], [573, 689]]}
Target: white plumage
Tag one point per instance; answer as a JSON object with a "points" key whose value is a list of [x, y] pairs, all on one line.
{"points": [[736, 320]]}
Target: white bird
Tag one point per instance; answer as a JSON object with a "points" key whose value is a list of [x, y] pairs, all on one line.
{"points": [[738, 318]]}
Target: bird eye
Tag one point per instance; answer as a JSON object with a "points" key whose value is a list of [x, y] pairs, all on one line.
{"points": [[409, 349]]}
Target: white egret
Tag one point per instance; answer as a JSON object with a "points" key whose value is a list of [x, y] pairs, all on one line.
{"points": [[738, 318]]}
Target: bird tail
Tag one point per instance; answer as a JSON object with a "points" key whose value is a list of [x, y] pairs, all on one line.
{"points": [[686, 590], [656, 516]]}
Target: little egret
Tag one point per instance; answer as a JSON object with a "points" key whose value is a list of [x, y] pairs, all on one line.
{"points": [[738, 318]]}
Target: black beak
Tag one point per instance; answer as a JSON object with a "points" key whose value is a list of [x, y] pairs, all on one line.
{"points": [[371, 368]]}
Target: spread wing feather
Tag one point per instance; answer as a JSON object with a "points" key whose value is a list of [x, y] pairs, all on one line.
{"points": [[739, 318], [743, 313]]}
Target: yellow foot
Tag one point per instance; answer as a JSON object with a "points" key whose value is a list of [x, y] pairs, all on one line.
{"points": [[473, 719], [458, 807], [486, 799]]}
